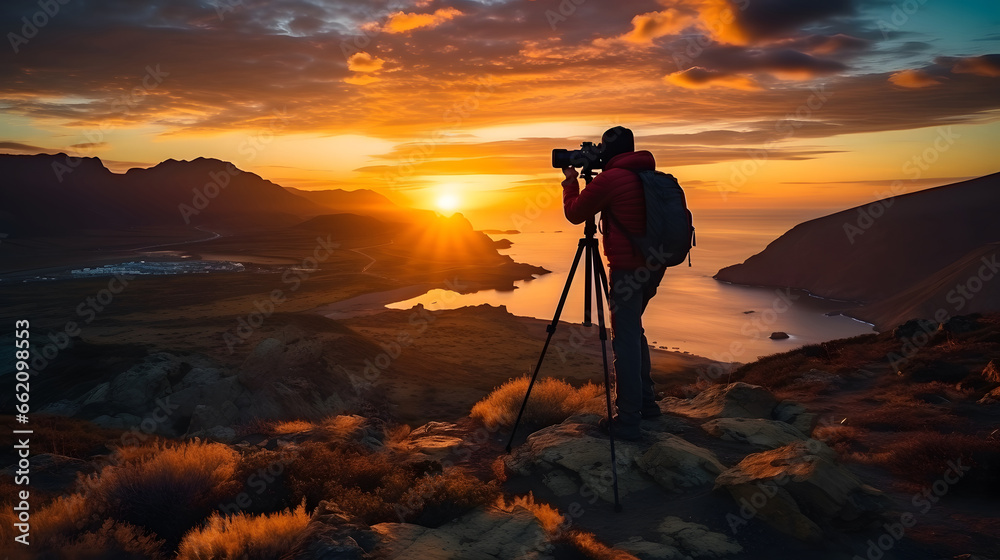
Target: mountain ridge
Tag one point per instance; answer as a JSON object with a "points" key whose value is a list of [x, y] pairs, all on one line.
{"points": [[875, 252]]}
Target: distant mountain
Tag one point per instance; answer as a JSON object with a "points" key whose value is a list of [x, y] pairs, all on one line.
{"points": [[42, 195], [346, 225], [364, 202], [901, 257], [339, 199]]}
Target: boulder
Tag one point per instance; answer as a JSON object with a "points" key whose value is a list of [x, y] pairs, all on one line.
{"points": [[795, 414], [206, 417], [560, 483], [778, 335], [134, 390], [799, 488], [199, 376], [331, 535], [483, 534], [572, 447], [696, 540], [755, 431], [735, 400], [676, 464], [228, 389], [645, 550], [435, 441]]}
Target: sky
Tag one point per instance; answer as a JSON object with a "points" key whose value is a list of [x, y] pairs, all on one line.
{"points": [[457, 104]]}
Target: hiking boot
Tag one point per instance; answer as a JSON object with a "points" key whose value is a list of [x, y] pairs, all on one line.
{"points": [[628, 432], [650, 410]]}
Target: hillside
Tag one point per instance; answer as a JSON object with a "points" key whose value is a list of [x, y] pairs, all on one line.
{"points": [[892, 252], [40, 196], [812, 453]]}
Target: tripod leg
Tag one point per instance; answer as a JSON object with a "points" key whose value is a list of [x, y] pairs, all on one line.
{"points": [[598, 272], [551, 328], [588, 286]]}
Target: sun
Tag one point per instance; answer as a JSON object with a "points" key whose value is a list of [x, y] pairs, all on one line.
{"points": [[447, 203]]}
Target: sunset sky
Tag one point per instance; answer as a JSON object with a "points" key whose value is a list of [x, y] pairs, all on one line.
{"points": [[750, 103]]}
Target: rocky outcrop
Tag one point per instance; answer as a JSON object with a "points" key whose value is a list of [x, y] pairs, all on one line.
{"points": [[188, 395], [799, 489], [682, 540], [573, 456], [675, 464], [435, 441], [736, 400], [483, 534], [755, 431]]}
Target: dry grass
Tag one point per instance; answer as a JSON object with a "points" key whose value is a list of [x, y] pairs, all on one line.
{"points": [[552, 401], [379, 487], [244, 537], [166, 488], [920, 458], [437, 499], [291, 427]]}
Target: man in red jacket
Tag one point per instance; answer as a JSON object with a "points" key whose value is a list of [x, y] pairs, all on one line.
{"points": [[617, 193]]}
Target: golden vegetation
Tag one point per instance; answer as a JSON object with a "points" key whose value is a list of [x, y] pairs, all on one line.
{"points": [[244, 537], [552, 401]]}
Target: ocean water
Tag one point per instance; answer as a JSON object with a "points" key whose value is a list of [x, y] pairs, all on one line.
{"points": [[691, 312]]}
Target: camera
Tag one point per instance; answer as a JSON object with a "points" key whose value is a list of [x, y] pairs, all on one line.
{"points": [[588, 156]]}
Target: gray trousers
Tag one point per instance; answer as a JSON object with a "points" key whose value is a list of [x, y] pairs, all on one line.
{"points": [[631, 290]]}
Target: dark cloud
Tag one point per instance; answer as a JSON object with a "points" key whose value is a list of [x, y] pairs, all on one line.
{"points": [[768, 19], [731, 59]]}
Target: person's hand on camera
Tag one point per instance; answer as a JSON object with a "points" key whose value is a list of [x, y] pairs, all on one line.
{"points": [[570, 172]]}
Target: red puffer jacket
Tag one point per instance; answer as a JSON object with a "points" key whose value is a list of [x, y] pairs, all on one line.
{"points": [[619, 189]]}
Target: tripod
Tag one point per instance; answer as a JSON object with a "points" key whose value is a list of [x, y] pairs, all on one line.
{"points": [[596, 284]]}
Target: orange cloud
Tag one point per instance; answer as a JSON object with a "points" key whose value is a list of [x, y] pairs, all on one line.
{"points": [[401, 22], [364, 62], [646, 27], [719, 18], [913, 79], [700, 78]]}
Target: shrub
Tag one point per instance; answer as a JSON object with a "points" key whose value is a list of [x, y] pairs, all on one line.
{"points": [[362, 483], [436, 499], [113, 541], [551, 402], [244, 537], [168, 490]]}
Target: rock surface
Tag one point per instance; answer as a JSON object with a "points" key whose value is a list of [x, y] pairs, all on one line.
{"points": [[755, 431], [570, 455], [736, 400], [799, 488], [483, 534]]}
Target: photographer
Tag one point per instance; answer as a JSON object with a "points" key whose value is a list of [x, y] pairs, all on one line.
{"points": [[617, 193]]}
